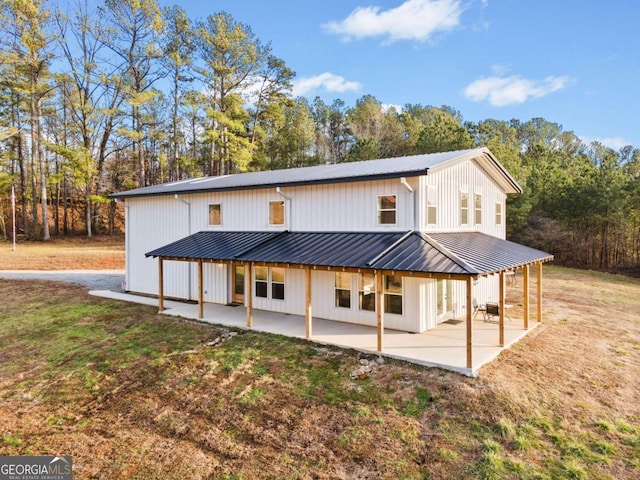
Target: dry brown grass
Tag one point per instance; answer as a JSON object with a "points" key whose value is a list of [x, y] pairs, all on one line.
{"points": [[71, 253]]}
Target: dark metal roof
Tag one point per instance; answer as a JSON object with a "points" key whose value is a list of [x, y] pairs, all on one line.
{"points": [[464, 253], [326, 249], [324, 174], [213, 245], [488, 254]]}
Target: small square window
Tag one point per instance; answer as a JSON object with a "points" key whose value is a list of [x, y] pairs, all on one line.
{"points": [[387, 210], [276, 212], [215, 214]]}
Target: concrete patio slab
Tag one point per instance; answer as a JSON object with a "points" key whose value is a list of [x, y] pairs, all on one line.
{"points": [[442, 347]]}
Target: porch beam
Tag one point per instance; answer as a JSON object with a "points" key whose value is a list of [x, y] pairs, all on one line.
{"points": [[249, 294], [525, 299], [200, 291], [469, 322], [379, 308], [160, 285], [308, 312], [503, 288]]}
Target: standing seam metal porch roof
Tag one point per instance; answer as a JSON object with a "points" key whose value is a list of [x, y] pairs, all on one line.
{"points": [[464, 253]]}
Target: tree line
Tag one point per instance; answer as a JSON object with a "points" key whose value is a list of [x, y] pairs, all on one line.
{"points": [[106, 95]]}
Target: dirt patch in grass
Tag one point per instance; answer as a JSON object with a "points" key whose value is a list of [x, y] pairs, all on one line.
{"points": [[133, 394], [70, 253]]}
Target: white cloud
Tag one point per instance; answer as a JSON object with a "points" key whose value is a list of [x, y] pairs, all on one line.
{"points": [[501, 91], [413, 20], [326, 81], [615, 143], [388, 106]]}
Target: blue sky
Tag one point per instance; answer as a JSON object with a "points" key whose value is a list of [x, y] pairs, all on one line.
{"points": [[573, 62]]}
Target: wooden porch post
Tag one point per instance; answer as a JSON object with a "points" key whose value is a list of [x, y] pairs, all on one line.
{"points": [[249, 293], [469, 322], [525, 302], [200, 289], [160, 285], [501, 303], [379, 308], [539, 292], [308, 315]]}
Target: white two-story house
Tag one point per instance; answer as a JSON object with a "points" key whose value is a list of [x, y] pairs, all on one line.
{"points": [[410, 241]]}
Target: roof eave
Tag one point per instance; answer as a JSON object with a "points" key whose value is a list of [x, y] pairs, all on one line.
{"points": [[352, 179]]}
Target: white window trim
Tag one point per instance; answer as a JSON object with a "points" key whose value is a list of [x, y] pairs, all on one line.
{"points": [[501, 222], [475, 210], [466, 192], [432, 194], [350, 289], [379, 210], [401, 295], [284, 214], [269, 281], [212, 225]]}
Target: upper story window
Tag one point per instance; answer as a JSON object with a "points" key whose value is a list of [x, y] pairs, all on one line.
{"points": [[276, 212], [215, 214], [387, 209], [464, 208], [432, 205], [478, 208], [498, 213]]}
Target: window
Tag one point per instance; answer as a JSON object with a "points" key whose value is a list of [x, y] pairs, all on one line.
{"points": [[393, 294], [478, 208], [432, 205], [498, 213], [277, 283], [387, 210], [367, 292], [276, 212], [343, 290], [273, 277], [464, 208], [214, 214], [261, 281]]}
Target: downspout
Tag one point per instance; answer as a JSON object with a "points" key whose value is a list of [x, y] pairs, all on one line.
{"points": [[287, 208], [188, 204], [416, 223]]}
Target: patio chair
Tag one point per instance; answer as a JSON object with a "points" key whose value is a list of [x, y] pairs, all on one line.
{"points": [[492, 311], [476, 308]]}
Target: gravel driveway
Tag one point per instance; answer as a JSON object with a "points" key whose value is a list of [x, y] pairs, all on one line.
{"points": [[92, 279]]}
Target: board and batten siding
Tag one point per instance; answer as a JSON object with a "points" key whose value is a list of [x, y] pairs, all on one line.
{"points": [[341, 207], [324, 303], [151, 223], [449, 183]]}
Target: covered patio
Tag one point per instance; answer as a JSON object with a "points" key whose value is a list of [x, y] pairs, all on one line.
{"points": [[463, 256], [444, 346]]}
